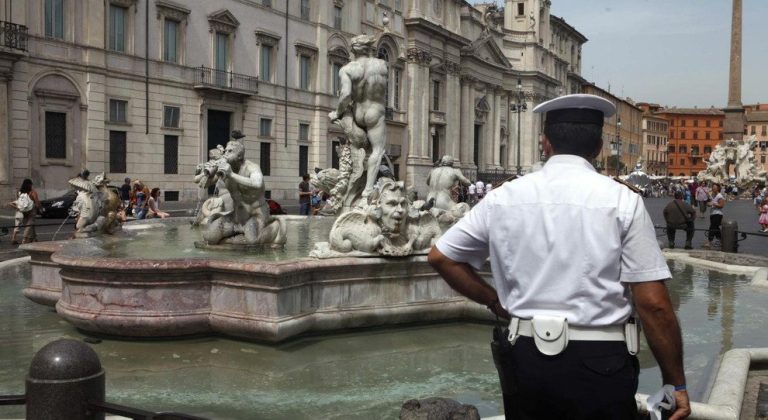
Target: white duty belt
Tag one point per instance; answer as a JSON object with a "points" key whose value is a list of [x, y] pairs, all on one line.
{"points": [[576, 333], [551, 334]]}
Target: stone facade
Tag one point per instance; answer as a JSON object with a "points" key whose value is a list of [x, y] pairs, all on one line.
{"points": [[693, 135], [143, 88], [655, 136], [757, 125]]}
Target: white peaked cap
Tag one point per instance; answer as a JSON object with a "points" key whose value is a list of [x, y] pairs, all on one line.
{"points": [[578, 101]]}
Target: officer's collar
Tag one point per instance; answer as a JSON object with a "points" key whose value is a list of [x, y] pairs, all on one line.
{"points": [[571, 160]]}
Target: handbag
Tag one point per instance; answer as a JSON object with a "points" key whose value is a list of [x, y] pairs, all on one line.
{"points": [[24, 203]]}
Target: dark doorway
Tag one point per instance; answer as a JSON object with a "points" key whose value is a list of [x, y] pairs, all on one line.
{"points": [[218, 129], [476, 145], [436, 146], [218, 133]]}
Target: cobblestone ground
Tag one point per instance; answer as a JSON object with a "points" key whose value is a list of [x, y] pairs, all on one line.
{"points": [[741, 211]]}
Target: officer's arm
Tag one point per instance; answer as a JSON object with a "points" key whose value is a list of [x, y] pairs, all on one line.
{"points": [[662, 332], [465, 280]]}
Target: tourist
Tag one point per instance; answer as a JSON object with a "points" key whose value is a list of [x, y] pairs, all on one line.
{"points": [[140, 200], [702, 196], [125, 193], [488, 188], [679, 215], [305, 195], [26, 205], [715, 217], [687, 196], [763, 220], [479, 189], [472, 192], [153, 208], [566, 260]]}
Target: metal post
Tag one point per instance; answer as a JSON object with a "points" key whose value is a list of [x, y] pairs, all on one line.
{"points": [[518, 110], [728, 233], [63, 376]]}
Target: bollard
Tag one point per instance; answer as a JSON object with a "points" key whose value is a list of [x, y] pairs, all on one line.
{"points": [[63, 376], [728, 232]]}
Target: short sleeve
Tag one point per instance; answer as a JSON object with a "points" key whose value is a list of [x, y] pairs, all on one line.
{"points": [[467, 240], [641, 257]]}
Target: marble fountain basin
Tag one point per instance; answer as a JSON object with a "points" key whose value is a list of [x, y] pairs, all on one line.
{"points": [[150, 281]]}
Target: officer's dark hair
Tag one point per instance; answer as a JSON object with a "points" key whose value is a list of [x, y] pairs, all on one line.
{"points": [[574, 138]]}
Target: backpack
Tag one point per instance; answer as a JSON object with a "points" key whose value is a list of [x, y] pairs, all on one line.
{"points": [[24, 203]]}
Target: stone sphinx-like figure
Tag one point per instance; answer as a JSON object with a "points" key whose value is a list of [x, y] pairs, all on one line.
{"points": [[441, 181], [388, 226], [360, 113], [96, 207], [239, 214]]}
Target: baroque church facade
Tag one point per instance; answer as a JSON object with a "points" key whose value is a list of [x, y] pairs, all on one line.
{"points": [[144, 88]]}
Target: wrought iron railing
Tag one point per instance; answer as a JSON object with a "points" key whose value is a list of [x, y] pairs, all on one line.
{"points": [[13, 36], [206, 76]]}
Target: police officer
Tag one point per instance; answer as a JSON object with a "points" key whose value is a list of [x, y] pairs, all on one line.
{"points": [[570, 251]]}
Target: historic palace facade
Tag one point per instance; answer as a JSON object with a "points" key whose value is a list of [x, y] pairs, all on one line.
{"points": [[143, 88]]}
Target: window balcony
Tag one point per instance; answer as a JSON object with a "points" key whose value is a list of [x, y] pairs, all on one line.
{"points": [[211, 79], [13, 36]]}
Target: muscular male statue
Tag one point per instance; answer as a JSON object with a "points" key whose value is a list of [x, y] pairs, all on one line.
{"points": [[363, 93], [244, 181], [440, 182]]}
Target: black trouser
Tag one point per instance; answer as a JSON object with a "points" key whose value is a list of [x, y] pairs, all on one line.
{"points": [[588, 380], [687, 227], [714, 226]]}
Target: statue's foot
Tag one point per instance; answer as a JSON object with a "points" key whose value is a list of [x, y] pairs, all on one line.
{"points": [[367, 192]]}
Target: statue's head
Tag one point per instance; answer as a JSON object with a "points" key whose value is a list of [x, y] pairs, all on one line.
{"points": [[234, 153], [216, 153], [391, 205], [447, 160], [363, 45]]}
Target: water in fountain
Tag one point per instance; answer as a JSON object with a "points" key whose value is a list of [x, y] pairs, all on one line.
{"points": [[365, 374]]}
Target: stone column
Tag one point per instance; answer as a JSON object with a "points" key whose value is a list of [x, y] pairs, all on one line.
{"points": [[496, 144], [5, 131], [733, 126], [467, 121], [454, 106], [418, 116]]}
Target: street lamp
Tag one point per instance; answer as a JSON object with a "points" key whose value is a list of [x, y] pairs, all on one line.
{"points": [[617, 145], [517, 109]]}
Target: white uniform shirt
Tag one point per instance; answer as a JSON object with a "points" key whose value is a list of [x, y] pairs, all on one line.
{"points": [[561, 242]]}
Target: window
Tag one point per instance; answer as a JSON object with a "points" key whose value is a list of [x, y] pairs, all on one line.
{"points": [[337, 17], [54, 19], [266, 3], [694, 150], [303, 132], [683, 150], [117, 152], [435, 95], [171, 116], [695, 123], [171, 195], [117, 20], [304, 71], [707, 149], [170, 41], [264, 158], [336, 80], [117, 111], [303, 160], [521, 9], [265, 72], [753, 129], [708, 123], [706, 135], [265, 127], [305, 9], [671, 149], [682, 135], [335, 145], [55, 135], [695, 135], [222, 51], [171, 155], [396, 82], [764, 131]]}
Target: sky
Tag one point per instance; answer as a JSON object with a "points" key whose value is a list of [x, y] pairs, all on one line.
{"points": [[670, 52]]}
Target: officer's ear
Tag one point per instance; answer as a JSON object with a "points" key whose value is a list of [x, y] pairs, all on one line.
{"points": [[597, 150], [546, 146]]}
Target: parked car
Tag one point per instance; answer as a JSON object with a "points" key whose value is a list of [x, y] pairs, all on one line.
{"points": [[58, 207]]}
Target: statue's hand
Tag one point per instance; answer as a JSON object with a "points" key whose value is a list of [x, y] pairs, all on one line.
{"points": [[224, 170], [333, 115]]}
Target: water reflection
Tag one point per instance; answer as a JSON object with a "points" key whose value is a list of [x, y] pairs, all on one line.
{"points": [[357, 375]]}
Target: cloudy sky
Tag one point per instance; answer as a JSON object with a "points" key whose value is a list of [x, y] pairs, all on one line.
{"points": [[670, 52]]}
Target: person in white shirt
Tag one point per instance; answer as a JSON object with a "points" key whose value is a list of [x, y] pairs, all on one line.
{"points": [[472, 191], [715, 216], [488, 188], [480, 188], [568, 262]]}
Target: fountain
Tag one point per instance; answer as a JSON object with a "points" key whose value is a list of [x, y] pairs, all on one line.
{"points": [[252, 275], [738, 154]]}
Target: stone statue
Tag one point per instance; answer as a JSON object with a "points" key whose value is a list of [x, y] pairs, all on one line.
{"points": [[360, 114], [239, 214], [638, 177], [739, 154], [96, 206], [441, 181], [388, 226]]}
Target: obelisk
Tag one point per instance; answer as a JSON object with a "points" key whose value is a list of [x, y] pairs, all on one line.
{"points": [[733, 128]]}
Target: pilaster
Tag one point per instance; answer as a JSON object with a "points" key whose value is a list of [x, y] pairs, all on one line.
{"points": [[453, 111], [467, 121], [418, 160]]}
